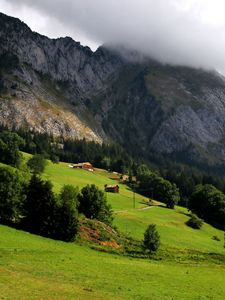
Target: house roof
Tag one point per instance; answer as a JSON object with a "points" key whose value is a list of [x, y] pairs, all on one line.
{"points": [[81, 164], [112, 186]]}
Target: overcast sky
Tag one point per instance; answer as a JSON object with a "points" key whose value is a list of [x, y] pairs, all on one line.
{"points": [[189, 32]]}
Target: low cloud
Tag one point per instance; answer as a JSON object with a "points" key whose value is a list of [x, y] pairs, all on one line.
{"points": [[181, 32]]}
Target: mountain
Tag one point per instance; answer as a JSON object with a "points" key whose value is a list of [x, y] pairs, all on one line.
{"points": [[46, 84], [159, 112]]}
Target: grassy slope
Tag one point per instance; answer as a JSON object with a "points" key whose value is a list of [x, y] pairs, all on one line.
{"points": [[61, 174], [32, 267], [171, 223]]}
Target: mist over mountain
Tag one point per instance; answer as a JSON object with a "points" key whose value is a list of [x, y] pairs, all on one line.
{"points": [[184, 32], [156, 111]]}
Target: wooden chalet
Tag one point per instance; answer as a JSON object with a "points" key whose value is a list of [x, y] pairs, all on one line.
{"points": [[112, 188], [85, 166]]}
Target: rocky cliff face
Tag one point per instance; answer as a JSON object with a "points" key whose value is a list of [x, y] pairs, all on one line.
{"points": [[58, 86], [46, 83], [167, 112]]}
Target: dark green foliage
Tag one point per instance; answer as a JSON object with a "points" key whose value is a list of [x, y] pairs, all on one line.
{"points": [[67, 214], [151, 238], [93, 204], [108, 156], [9, 148], [11, 195], [37, 163], [195, 222], [48, 215], [186, 178], [209, 204], [156, 187], [40, 208], [54, 158]]}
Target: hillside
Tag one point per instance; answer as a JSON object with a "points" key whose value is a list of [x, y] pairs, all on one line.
{"points": [[187, 265], [37, 268], [158, 112], [134, 221]]}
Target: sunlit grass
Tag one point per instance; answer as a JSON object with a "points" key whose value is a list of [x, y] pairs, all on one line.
{"points": [[190, 264]]}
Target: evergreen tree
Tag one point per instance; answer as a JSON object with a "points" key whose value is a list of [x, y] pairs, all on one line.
{"points": [[9, 148], [40, 208], [11, 195], [67, 220], [151, 238]]}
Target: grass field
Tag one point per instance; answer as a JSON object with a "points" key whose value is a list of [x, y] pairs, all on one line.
{"points": [[170, 223], [189, 265], [61, 174], [32, 267]]}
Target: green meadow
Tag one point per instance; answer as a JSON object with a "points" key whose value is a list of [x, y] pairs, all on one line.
{"points": [[189, 265], [61, 174], [32, 267]]}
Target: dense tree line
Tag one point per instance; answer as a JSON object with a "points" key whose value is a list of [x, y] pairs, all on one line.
{"points": [[209, 204], [186, 178], [167, 185], [156, 187], [33, 206], [107, 156]]}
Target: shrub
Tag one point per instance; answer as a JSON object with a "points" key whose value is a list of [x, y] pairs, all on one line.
{"points": [[151, 238], [195, 222], [216, 238]]}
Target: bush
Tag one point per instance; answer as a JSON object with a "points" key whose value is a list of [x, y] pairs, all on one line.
{"points": [[151, 238], [93, 204], [37, 163], [195, 222], [216, 238]]}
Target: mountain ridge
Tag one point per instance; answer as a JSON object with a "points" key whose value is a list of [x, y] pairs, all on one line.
{"points": [[155, 111]]}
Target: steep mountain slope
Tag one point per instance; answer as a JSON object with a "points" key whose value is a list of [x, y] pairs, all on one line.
{"points": [[176, 112], [46, 83], [156, 111]]}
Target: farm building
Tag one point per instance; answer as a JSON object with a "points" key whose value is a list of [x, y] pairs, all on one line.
{"points": [[85, 166], [112, 188], [124, 178]]}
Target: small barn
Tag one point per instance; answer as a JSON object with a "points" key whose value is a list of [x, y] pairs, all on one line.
{"points": [[112, 188], [84, 165]]}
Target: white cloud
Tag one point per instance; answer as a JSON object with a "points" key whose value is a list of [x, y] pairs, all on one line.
{"points": [[190, 32]]}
